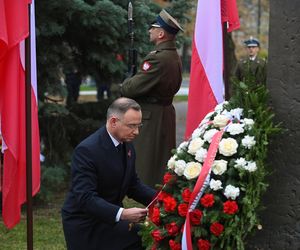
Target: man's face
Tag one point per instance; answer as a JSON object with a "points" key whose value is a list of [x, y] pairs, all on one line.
{"points": [[127, 127], [252, 50], [155, 34]]}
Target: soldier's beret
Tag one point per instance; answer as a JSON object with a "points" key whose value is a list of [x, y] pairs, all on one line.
{"points": [[167, 22], [252, 42]]}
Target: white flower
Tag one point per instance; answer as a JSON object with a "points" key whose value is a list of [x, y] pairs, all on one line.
{"points": [[220, 121], [182, 146], [236, 113], [220, 106], [248, 141], [201, 154], [228, 146], [219, 167], [209, 135], [240, 163], [196, 133], [251, 166], [171, 162], [192, 170], [231, 192], [195, 144], [180, 166], [248, 122], [235, 128], [215, 184]]}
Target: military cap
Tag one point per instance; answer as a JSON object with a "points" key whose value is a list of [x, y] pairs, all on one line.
{"points": [[252, 42], [167, 22]]}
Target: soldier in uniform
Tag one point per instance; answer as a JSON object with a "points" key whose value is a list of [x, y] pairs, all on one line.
{"points": [[153, 87], [253, 66]]}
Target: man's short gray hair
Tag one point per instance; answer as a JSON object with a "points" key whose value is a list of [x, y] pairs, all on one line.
{"points": [[120, 106]]}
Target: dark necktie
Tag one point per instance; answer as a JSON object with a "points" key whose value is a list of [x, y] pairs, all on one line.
{"points": [[121, 150]]}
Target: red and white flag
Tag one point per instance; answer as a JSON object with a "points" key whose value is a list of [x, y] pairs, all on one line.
{"points": [[206, 88], [14, 29]]}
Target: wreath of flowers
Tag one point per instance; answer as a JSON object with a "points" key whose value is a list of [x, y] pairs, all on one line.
{"points": [[226, 210]]}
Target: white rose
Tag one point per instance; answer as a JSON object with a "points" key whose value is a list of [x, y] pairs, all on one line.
{"points": [[251, 166], [248, 141], [248, 122], [219, 167], [209, 135], [192, 170], [195, 144], [235, 128], [231, 192], [215, 184], [220, 121], [201, 154], [240, 163], [180, 166], [228, 146], [171, 162], [182, 147]]}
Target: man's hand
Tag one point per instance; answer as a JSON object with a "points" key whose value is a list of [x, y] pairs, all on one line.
{"points": [[134, 214]]}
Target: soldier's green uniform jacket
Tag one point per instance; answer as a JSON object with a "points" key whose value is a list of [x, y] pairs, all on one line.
{"points": [[153, 87], [257, 68]]}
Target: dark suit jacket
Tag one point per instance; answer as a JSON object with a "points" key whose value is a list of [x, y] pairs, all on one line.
{"points": [[99, 184]]}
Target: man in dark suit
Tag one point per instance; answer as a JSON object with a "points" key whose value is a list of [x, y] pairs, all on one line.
{"points": [[103, 173], [153, 87]]}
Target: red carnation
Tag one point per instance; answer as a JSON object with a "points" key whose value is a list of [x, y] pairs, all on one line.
{"points": [[169, 204], [186, 194], [154, 247], [156, 234], [155, 216], [172, 229], [182, 209], [216, 228], [162, 195], [174, 245], [168, 178], [195, 217], [207, 200], [230, 207], [203, 244]]}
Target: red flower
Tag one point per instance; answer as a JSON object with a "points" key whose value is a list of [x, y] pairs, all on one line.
{"points": [[203, 244], [156, 235], [186, 194], [230, 207], [172, 229], [182, 209], [169, 204], [174, 245], [153, 247], [216, 228], [162, 195], [168, 178], [195, 217], [155, 216], [207, 200]]}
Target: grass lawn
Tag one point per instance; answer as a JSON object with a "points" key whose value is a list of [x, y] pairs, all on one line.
{"points": [[47, 229]]}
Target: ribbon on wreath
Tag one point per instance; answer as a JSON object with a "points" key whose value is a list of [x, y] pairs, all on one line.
{"points": [[201, 184]]}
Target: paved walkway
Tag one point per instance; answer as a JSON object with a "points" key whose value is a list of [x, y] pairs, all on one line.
{"points": [[181, 110]]}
